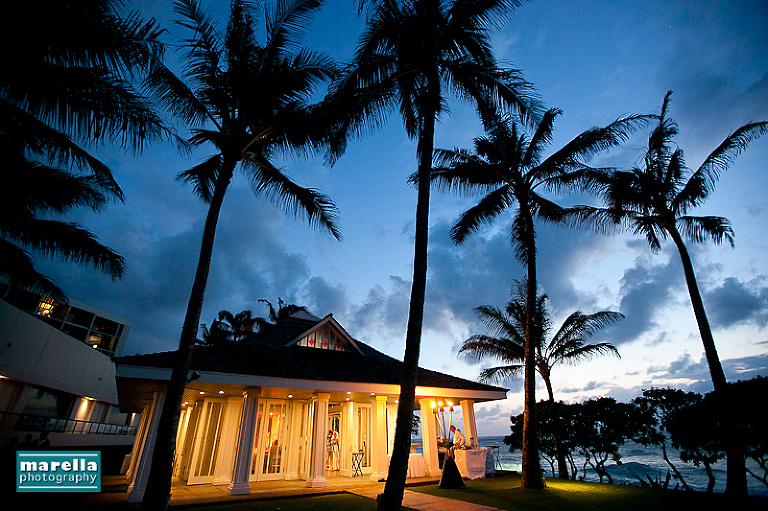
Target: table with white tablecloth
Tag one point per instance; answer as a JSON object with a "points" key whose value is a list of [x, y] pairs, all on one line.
{"points": [[415, 464], [474, 463]]}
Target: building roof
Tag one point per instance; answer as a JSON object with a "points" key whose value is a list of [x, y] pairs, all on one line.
{"points": [[272, 353]]}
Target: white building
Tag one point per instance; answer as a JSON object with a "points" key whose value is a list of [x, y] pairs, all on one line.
{"points": [[262, 409], [57, 374]]}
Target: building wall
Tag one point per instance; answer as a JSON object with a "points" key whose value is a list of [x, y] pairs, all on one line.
{"points": [[38, 354]]}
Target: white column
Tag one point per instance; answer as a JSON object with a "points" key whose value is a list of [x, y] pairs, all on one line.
{"points": [[138, 442], [468, 414], [379, 438], [317, 470], [293, 441], [347, 433], [230, 428], [429, 437], [240, 485], [141, 472]]}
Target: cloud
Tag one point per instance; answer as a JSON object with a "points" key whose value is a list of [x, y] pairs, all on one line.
{"points": [[746, 368], [383, 315], [645, 291], [738, 303], [324, 298]]}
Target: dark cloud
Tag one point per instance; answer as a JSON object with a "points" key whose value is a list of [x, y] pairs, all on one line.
{"points": [[324, 298], [746, 368], [645, 289], [736, 302], [589, 387], [382, 315]]}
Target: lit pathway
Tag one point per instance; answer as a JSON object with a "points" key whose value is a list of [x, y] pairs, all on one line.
{"points": [[424, 502]]}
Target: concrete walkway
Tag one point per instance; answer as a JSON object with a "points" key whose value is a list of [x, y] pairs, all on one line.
{"points": [[423, 502], [114, 494]]}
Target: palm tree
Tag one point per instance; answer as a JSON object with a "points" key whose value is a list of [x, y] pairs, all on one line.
{"points": [[65, 87], [229, 327], [568, 345], [283, 312], [250, 102], [411, 54], [508, 169], [654, 200]]}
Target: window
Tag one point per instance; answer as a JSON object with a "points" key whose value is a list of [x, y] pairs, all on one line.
{"points": [[324, 338]]}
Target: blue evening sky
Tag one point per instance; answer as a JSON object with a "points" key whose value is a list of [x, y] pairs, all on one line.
{"points": [[596, 60]]}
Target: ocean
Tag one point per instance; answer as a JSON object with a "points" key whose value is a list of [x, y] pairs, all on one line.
{"points": [[638, 462]]}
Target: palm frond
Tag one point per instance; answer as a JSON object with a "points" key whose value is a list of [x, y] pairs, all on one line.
{"points": [[65, 241], [701, 229], [500, 373], [719, 159], [176, 97], [481, 214], [319, 210], [17, 268], [203, 176], [289, 22]]}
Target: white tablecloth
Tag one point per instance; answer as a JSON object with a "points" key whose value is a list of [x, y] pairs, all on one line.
{"points": [[415, 465], [474, 463]]}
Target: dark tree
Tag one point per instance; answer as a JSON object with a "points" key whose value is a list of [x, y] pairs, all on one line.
{"points": [[412, 55], [601, 426], [66, 74], [569, 345], [655, 200], [248, 102]]}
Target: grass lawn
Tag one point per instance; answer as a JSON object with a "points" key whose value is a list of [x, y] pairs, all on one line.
{"points": [[504, 492], [335, 502]]}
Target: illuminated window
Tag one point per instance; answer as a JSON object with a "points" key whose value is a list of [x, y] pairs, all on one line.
{"points": [[46, 307], [324, 338]]}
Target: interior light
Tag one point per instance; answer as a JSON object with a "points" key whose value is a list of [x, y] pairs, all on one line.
{"points": [[290, 396], [348, 393], [221, 392], [202, 393], [432, 404]]}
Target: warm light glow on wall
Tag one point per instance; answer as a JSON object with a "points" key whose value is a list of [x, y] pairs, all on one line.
{"points": [[46, 307]]}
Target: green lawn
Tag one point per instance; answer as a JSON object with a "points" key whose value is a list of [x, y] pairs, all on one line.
{"points": [[504, 492], [335, 502]]}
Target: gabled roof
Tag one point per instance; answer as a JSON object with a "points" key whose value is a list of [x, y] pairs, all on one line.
{"points": [[324, 323], [271, 353]]}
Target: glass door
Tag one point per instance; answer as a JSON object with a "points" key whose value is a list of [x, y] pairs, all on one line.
{"points": [[207, 443], [270, 452], [363, 433], [305, 439]]}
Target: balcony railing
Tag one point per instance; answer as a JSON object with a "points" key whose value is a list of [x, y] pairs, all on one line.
{"points": [[26, 422]]}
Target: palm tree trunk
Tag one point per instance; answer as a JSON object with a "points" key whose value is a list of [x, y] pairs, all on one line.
{"points": [[559, 450], [736, 483], [530, 476], [392, 498], [158, 491]]}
